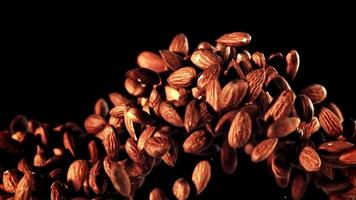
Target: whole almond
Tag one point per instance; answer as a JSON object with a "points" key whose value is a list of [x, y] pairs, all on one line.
{"points": [[145, 135], [172, 60], [157, 194], [336, 110], [169, 113], [24, 188], [192, 116], [94, 124], [236, 39], [170, 158], [330, 122], [197, 142], [77, 173], [133, 152], [97, 179], [213, 93], [143, 76], [233, 93], [201, 175], [208, 74], [118, 176], [224, 123], [139, 116], [264, 149], [151, 61], [204, 58], [101, 108], [240, 130], [292, 59], [283, 127], [299, 185], [111, 142], [181, 189], [157, 146], [182, 77], [309, 159], [180, 44], [309, 128], [255, 80], [259, 59], [281, 107], [336, 146], [304, 107], [316, 92], [348, 157]]}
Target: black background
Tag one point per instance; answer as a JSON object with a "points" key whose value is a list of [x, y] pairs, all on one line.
{"points": [[56, 64]]}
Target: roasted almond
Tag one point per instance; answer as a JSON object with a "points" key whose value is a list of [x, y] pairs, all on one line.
{"points": [[236, 39], [172, 60], [255, 80], [77, 173], [336, 146], [213, 93], [111, 142], [240, 130], [157, 146], [292, 60], [283, 127], [180, 44], [207, 75], [304, 107], [192, 116], [201, 175], [264, 149], [151, 61], [197, 142], [316, 92], [309, 159], [118, 176], [169, 113], [310, 127], [157, 194], [233, 93], [181, 189], [348, 157], [182, 77], [330, 122], [281, 107], [204, 58]]}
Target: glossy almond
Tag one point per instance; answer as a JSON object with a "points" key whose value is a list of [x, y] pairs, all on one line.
{"points": [[204, 58], [337, 146], [311, 127], [157, 146], [169, 113], [157, 194], [182, 77], [201, 176], [118, 177], [235, 39], [281, 107], [330, 122], [292, 60], [197, 142], [208, 74], [309, 159], [263, 150], [181, 189], [316, 92], [94, 124], [233, 93], [111, 142], [213, 93], [151, 61], [172, 60], [240, 130], [283, 127], [179, 44], [77, 173], [348, 157], [255, 80], [192, 116], [304, 107]]}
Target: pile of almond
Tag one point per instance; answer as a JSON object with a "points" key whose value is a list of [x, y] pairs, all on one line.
{"points": [[218, 101]]}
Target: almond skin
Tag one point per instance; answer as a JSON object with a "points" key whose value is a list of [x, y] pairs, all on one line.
{"points": [[197, 142], [330, 122], [236, 39], [240, 130], [263, 150], [204, 58], [201, 175], [309, 159]]}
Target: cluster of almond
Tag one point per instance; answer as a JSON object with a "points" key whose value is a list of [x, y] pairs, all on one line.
{"points": [[214, 102]]}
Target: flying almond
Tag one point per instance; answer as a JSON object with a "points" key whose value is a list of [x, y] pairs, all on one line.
{"points": [[264, 149], [240, 130], [309, 159], [330, 122], [204, 58], [236, 39], [283, 127], [201, 175]]}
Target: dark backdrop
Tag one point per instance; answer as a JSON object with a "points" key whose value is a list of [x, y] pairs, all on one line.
{"points": [[54, 67]]}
